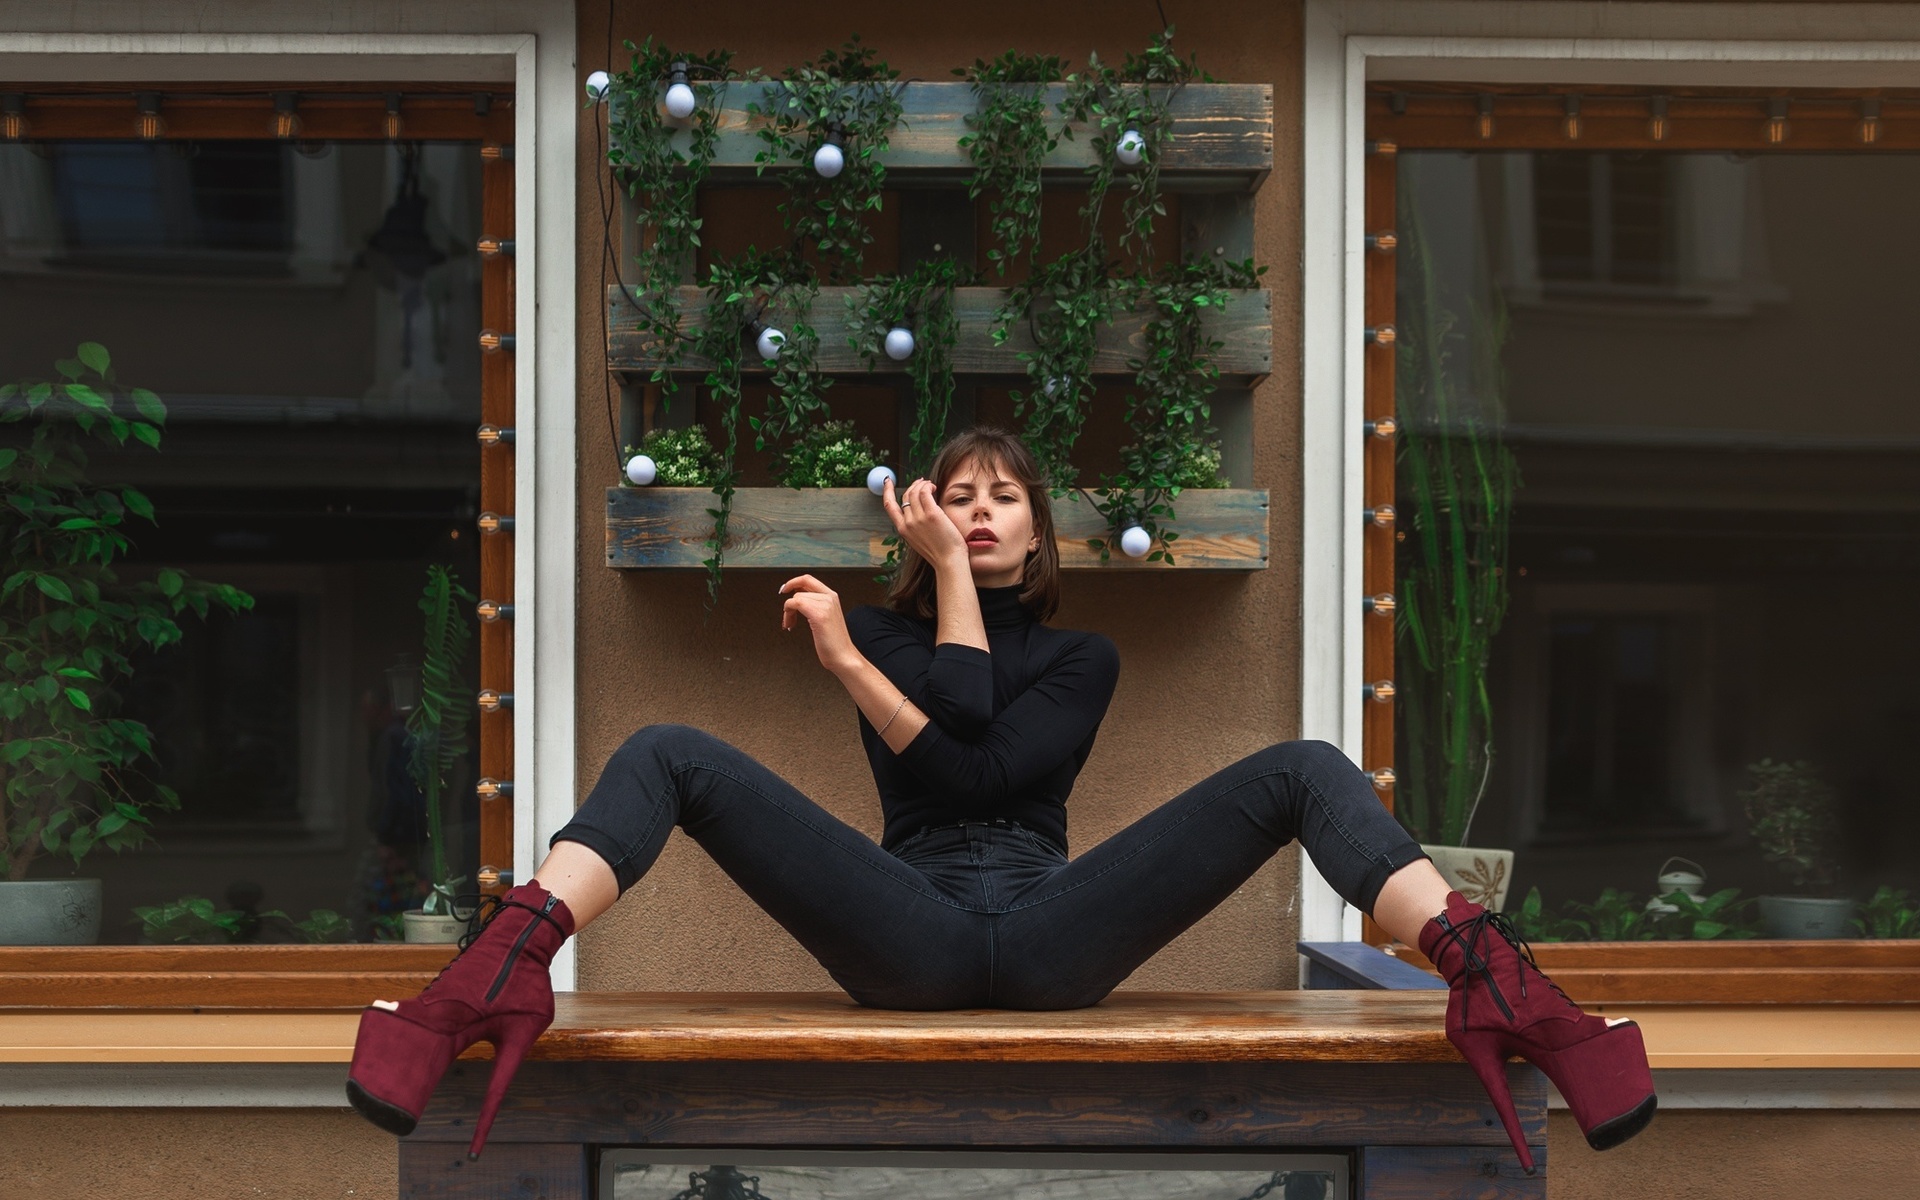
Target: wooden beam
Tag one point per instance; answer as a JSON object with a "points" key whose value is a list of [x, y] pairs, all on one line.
{"points": [[226, 977], [1245, 326], [1222, 138], [843, 528]]}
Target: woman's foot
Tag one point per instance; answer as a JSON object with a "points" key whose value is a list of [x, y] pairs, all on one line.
{"points": [[1501, 1005], [496, 990]]}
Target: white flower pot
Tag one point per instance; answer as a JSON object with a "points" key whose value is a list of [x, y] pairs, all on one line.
{"points": [[420, 927], [1805, 917], [1479, 874], [50, 912]]}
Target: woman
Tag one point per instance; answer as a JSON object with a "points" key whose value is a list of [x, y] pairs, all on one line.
{"points": [[976, 719]]}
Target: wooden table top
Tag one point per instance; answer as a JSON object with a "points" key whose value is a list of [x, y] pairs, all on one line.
{"points": [[1359, 1026]]}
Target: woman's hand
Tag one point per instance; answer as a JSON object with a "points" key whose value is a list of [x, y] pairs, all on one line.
{"points": [[923, 525], [818, 605]]}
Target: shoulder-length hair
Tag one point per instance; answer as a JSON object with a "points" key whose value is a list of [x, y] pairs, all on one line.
{"points": [[914, 586]]}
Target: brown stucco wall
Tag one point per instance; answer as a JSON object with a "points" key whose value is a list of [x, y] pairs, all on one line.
{"points": [[1208, 659], [304, 1154]]}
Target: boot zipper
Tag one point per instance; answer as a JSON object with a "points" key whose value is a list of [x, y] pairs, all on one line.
{"points": [[506, 968]]}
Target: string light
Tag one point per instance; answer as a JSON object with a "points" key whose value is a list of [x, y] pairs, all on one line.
{"points": [[1572, 122], [598, 84], [899, 343], [1131, 147], [1657, 122], [391, 125], [13, 117], [1485, 124], [1776, 120], [1869, 122], [149, 124], [680, 98], [831, 157], [286, 119], [1135, 542]]}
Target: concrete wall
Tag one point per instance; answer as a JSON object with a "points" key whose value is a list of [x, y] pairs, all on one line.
{"points": [[1224, 685]]}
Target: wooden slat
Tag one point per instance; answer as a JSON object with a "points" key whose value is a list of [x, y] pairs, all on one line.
{"points": [[1163, 1105], [1222, 137], [358, 115], [229, 977], [1448, 1173], [1221, 529], [1245, 326]]}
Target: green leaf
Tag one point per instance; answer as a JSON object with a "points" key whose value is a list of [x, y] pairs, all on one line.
{"points": [[54, 587], [137, 502], [149, 406], [86, 396], [79, 699], [169, 580], [95, 356], [147, 434]]}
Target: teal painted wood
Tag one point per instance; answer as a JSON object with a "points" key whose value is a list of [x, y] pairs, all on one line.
{"points": [[1245, 327], [1222, 138], [1221, 529]]}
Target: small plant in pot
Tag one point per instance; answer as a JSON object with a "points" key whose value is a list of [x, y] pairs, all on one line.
{"points": [[1791, 812], [437, 740], [70, 769]]}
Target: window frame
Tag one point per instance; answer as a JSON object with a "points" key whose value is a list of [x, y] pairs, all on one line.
{"points": [[504, 61]]}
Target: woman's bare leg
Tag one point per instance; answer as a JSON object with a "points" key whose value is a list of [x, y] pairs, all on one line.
{"points": [[1412, 896], [581, 878]]}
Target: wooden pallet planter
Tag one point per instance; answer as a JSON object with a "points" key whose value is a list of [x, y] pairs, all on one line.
{"points": [[1222, 138], [1245, 326], [1221, 529]]}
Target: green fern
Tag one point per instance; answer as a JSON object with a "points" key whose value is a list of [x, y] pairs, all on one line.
{"points": [[439, 723]]}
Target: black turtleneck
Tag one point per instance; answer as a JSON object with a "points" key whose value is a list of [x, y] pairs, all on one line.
{"points": [[1010, 726]]}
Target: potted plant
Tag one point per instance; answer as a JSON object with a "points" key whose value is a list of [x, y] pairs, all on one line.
{"points": [[1791, 812], [1457, 481], [437, 741], [831, 454], [68, 629]]}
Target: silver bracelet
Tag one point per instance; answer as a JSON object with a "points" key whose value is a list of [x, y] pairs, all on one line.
{"points": [[896, 712]]}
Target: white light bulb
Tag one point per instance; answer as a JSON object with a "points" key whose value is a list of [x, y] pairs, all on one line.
{"points": [[680, 101], [899, 343], [597, 85], [769, 342], [1130, 147], [641, 470], [828, 160], [877, 480], [1135, 542], [1054, 383]]}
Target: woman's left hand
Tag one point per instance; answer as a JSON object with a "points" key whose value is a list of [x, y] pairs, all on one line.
{"points": [[818, 605]]}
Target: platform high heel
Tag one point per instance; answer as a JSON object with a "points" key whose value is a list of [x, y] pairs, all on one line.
{"points": [[496, 990], [1501, 1004]]}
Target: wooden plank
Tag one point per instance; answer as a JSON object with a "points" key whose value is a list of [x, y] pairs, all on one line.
{"points": [[523, 1170], [1448, 1173], [214, 977], [326, 113], [1245, 327], [1159, 1105], [1221, 529], [1222, 137], [1127, 1027]]}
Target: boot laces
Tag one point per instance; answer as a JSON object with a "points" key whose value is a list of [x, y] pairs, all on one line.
{"points": [[1470, 934], [485, 909]]}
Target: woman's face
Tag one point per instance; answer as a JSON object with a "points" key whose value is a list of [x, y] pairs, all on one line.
{"points": [[995, 518]]}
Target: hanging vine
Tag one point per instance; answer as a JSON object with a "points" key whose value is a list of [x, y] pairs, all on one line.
{"points": [[1123, 100], [1170, 411], [1009, 143], [663, 182], [1064, 304], [852, 98]]}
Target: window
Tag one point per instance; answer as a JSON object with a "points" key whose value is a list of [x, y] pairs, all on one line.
{"points": [[310, 314]]}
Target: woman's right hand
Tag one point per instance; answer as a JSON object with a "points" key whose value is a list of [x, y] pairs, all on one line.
{"points": [[916, 516]]}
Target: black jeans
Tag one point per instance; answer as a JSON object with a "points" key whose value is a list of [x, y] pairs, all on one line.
{"points": [[986, 914]]}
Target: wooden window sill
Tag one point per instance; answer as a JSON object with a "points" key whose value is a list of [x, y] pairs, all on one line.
{"points": [[215, 977]]}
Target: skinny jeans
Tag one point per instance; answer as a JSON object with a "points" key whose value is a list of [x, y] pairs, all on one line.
{"points": [[986, 913]]}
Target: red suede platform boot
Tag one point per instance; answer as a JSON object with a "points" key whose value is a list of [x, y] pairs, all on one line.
{"points": [[1501, 1005], [496, 990]]}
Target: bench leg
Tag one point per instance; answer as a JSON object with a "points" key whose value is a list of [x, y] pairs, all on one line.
{"points": [[1447, 1173], [520, 1170]]}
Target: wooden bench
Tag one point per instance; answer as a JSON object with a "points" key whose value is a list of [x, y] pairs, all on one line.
{"points": [[1364, 1074]]}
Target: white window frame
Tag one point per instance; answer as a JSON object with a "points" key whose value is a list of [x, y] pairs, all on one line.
{"points": [[1489, 41], [530, 44]]}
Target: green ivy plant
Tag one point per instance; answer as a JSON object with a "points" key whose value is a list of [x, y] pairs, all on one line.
{"points": [[797, 400], [681, 457], [923, 298], [1892, 913], [850, 91], [69, 625], [437, 726], [1171, 408], [832, 454], [193, 920], [1135, 95], [662, 181], [1008, 145], [1064, 304], [1620, 916]]}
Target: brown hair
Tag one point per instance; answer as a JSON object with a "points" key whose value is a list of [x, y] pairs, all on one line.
{"points": [[914, 586]]}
